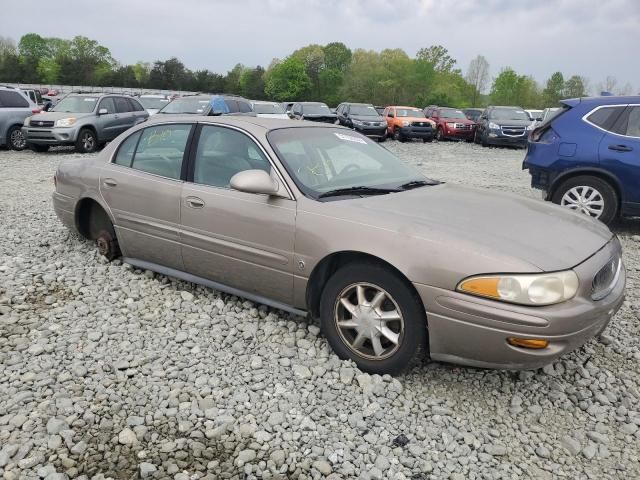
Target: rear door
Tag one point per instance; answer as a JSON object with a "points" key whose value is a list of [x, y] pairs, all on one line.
{"points": [[620, 151], [126, 116], [242, 240], [142, 187]]}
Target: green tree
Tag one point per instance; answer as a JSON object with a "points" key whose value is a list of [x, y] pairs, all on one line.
{"points": [[252, 83], [141, 71], [232, 79], [48, 70], [438, 56], [312, 56], [575, 87], [554, 91], [288, 80], [337, 56], [504, 90]]}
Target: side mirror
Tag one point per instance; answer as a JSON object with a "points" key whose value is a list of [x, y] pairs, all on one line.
{"points": [[103, 111], [256, 181]]}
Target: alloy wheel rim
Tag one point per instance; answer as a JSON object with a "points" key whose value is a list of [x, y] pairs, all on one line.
{"points": [[585, 199], [17, 139], [87, 141], [369, 321]]}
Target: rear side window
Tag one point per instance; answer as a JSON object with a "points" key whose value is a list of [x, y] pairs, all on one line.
{"points": [[628, 124], [244, 107], [122, 104], [605, 117], [10, 99], [135, 105], [127, 149], [232, 105]]}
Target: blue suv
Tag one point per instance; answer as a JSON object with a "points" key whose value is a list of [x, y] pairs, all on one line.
{"points": [[587, 157]]}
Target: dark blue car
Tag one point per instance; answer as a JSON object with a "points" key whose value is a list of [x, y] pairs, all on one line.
{"points": [[587, 157]]}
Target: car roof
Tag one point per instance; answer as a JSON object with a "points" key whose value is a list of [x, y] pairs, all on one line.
{"points": [[356, 103], [403, 106], [245, 122], [152, 95], [311, 103], [605, 100]]}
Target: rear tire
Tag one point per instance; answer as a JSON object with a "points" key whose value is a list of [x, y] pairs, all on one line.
{"points": [[15, 138], [590, 195], [390, 346], [107, 245], [87, 141]]}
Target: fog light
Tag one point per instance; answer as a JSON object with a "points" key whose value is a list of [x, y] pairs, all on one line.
{"points": [[535, 343]]}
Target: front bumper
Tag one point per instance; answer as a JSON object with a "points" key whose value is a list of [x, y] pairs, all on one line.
{"points": [[473, 331], [498, 138], [417, 132], [373, 132], [50, 136], [459, 134]]}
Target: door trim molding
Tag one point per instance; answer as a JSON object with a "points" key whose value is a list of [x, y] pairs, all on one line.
{"points": [[188, 277]]}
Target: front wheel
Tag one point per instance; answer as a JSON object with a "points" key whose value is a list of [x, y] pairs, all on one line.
{"points": [[87, 141], [15, 138], [382, 139], [592, 196], [371, 315], [439, 135]]}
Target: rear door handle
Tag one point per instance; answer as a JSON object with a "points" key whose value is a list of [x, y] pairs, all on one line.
{"points": [[110, 182], [195, 202], [620, 148]]}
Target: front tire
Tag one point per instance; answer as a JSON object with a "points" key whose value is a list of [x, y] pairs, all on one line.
{"points": [[590, 195], [87, 141], [15, 138], [439, 135], [371, 315]]}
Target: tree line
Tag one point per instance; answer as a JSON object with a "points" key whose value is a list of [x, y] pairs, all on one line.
{"points": [[329, 73]]}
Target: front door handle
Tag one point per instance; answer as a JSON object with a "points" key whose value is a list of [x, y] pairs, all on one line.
{"points": [[109, 182], [195, 202], [620, 148]]}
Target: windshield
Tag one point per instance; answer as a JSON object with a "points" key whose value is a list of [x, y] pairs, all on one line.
{"points": [[316, 109], [409, 112], [153, 102], [363, 111], [76, 105], [325, 159], [193, 105], [451, 113], [508, 114], [267, 108]]}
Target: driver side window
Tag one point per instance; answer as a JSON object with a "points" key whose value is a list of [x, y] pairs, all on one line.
{"points": [[223, 152], [108, 104]]}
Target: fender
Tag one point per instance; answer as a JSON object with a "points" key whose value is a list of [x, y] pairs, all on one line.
{"points": [[600, 172]]}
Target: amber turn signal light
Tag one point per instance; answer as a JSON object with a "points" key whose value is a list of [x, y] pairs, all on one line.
{"points": [[535, 343]]}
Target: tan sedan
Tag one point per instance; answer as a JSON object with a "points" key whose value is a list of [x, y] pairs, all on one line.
{"points": [[317, 219]]}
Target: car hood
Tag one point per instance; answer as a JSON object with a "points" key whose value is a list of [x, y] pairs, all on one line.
{"points": [[464, 121], [485, 223], [323, 115], [53, 116], [283, 116], [416, 119], [367, 118], [514, 123]]}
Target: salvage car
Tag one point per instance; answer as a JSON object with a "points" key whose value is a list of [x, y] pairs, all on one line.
{"points": [[223, 104], [153, 103], [505, 126], [316, 219], [363, 118], [312, 111], [268, 109], [86, 121], [586, 157], [405, 123], [451, 124], [15, 107]]}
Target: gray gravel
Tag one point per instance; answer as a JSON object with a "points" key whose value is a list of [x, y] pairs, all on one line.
{"points": [[108, 371]]}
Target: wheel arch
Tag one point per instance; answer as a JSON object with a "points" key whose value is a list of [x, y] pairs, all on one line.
{"points": [[590, 171], [88, 127], [8, 131], [331, 263], [90, 216]]}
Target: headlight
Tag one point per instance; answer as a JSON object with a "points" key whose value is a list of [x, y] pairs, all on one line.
{"points": [[494, 126], [451, 125], [65, 122], [406, 123], [27, 122], [528, 289]]}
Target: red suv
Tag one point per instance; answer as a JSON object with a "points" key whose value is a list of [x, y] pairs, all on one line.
{"points": [[451, 123]]}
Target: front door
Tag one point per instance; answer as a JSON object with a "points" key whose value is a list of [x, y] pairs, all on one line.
{"points": [[126, 116], [142, 188], [109, 122], [238, 239]]}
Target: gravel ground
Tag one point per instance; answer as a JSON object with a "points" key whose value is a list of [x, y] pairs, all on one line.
{"points": [[108, 371]]}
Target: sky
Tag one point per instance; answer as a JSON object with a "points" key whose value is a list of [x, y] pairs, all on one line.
{"points": [[591, 38]]}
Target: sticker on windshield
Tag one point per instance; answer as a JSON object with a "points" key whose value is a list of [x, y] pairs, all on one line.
{"points": [[90, 99], [349, 138]]}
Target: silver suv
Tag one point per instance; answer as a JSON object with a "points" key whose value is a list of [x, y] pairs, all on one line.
{"points": [[86, 121], [14, 108]]}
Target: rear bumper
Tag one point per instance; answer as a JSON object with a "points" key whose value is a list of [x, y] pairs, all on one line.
{"points": [[50, 136], [64, 208], [417, 132], [473, 331]]}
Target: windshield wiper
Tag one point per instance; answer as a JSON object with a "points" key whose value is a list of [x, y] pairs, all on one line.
{"points": [[418, 183], [359, 190]]}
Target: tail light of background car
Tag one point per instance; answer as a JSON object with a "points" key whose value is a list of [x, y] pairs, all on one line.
{"points": [[36, 110], [544, 134]]}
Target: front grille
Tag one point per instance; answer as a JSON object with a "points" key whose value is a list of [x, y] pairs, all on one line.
{"points": [[513, 131], [420, 124], [42, 123], [605, 280], [373, 124], [463, 126]]}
